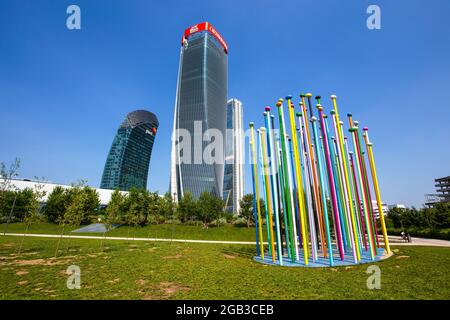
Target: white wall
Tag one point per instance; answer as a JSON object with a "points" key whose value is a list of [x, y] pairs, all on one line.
{"points": [[104, 194]]}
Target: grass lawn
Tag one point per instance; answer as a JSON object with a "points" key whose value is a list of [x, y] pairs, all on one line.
{"points": [[148, 270], [175, 231]]}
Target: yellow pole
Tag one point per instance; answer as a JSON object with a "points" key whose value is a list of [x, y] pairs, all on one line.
{"points": [[258, 206], [377, 189], [299, 181], [347, 180], [266, 176]]}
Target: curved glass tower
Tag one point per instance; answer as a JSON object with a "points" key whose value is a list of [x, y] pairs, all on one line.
{"points": [[200, 106], [129, 157]]}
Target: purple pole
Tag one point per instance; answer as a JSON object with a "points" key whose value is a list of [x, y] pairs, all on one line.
{"points": [[331, 183]]}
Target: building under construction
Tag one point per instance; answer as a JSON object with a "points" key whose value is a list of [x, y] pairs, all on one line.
{"points": [[442, 192]]}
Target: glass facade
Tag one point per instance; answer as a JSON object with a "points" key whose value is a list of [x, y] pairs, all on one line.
{"points": [[201, 97], [129, 157]]}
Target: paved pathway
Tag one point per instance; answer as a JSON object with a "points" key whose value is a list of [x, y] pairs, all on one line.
{"points": [[393, 240], [125, 238]]}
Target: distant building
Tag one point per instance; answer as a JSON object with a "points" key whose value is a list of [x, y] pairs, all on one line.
{"points": [[396, 206], [233, 180], [442, 192], [129, 157], [200, 106], [21, 184], [376, 213]]}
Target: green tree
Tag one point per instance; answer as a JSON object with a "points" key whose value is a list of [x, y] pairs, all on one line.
{"points": [[15, 204], [395, 217], [153, 208], [91, 203], [166, 207], [31, 208], [57, 202], [187, 207], [210, 208], [7, 189], [114, 209], [8, 198], [441, 215], [136, 209], [75, 210], [82, 206], [434, 218], [246, 210]]}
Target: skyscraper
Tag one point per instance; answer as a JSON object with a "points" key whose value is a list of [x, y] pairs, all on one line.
{"points": [[129, 157], [200, 107], [233, 181]]}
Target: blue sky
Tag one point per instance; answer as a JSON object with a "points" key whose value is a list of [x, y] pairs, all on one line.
{"points": [[63, 93]]}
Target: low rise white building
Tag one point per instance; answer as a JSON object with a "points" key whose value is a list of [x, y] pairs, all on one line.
{"points": [[376, 213], [21, 184], [396, 206]]}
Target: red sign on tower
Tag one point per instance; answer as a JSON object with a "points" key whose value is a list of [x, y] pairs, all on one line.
{"points": [[205, 26]]}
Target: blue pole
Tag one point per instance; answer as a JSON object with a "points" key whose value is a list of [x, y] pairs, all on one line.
{"points": [[322, 182], [272, 182]]}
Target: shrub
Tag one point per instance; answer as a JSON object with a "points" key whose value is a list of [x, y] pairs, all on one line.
{"points": [[173, 221], [17, 205], [434, 218], [218, 222], [240, 222]]}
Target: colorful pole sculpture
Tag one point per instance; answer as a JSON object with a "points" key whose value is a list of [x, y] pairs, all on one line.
{"points": [[331, 183], [256, 191], [288, 187], [283, 196], [344, 198], [352, 191], [364, 198], [359, 200], [299, 181], [313, 180], [267, 189], [291, 167], [336, 188], [344, 164], [255, 215], [322, 182], [367, 189], [309, 200], [266, 207], [376, 187], [313, 171], [312, 142], [355, 196], [273, 172], [340, 195], [307, 175]]}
